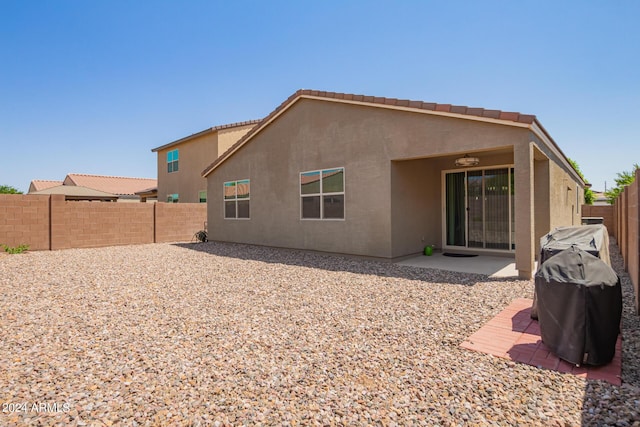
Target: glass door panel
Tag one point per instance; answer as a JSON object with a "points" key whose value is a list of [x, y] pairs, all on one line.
{"points": [[475, 209], [513, 209], [496, 196], [455, 209], [480, 209]]}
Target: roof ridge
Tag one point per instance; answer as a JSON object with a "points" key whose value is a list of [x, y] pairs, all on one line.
{"points": [[366, 99], [108, 176], [205, 131]]}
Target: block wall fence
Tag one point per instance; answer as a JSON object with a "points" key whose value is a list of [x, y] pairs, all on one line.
{"points": [[48, 222], [626, 218]]}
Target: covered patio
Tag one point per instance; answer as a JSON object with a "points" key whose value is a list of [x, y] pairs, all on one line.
{"points": [[488, 265]]}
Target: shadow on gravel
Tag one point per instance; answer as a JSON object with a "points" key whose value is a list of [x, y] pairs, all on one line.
{"points": [[607, 404], [337, 262]]}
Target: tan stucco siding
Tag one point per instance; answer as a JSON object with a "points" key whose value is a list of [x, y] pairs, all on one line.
{"points": [[416, 199], [394, 161], [308, 137], [228, 137], [187, 182], [565, 193], [566, 198]]}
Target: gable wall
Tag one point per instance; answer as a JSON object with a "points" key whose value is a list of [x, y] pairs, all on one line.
{"points": [[194, 156], [314, 135], [309, 136]]}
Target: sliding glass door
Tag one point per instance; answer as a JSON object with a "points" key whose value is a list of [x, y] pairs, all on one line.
{"points": [[479, 209]]}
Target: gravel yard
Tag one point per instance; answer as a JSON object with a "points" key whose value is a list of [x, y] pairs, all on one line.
{"points": [[225, 334]]}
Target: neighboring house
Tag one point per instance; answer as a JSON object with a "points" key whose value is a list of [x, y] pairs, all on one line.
{"points": [[79, 193], [599, 199], [181, 162], [379, 177], [123, 188], [41, 184], [148, 194]]}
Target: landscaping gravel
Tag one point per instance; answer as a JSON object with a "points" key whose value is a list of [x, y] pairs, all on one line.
{"points": [[226, 334]]}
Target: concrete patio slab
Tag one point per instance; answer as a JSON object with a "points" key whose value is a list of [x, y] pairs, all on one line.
{"points": [[492, 266]]}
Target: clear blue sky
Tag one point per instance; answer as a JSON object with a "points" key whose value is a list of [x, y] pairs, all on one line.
{"points": [[93, 86]]}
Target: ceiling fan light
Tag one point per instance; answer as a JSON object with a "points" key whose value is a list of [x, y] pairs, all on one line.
{"points": [[467, 161]]}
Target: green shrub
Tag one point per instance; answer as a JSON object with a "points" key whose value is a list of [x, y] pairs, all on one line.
{"points": [[16, 250]]}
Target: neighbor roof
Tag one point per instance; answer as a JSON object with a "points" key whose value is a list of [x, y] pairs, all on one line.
{"points": [[76, 192], [206, 131], [458, 111], [41, 184], [111, 184]]}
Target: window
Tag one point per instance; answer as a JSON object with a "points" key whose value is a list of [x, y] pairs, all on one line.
{"points": [[172, 161], [322, 194], [202, 195], [173, 198], [236, 199]]}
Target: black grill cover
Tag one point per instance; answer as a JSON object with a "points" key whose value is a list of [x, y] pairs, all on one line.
{"points": [[590, 238], [579, 307]]}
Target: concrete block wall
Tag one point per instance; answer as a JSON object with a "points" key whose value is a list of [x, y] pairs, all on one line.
{"points": [[87, 225], [633, 242], [24, 220], [178, 222], [627, 232], [606, 212], [50, 222]]}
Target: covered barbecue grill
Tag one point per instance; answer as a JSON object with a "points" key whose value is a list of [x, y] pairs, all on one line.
{"points": [[579, 300], [590, 238], [593, 239]]}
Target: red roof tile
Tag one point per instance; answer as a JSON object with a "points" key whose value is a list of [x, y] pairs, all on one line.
{"points": [[42, 184], [111, 184], [206, 131]]}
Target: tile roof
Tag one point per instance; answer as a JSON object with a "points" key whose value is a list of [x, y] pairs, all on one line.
{"points": [[111, 184], [406, 104], [78, 192], [42, 184], [206, 131]]}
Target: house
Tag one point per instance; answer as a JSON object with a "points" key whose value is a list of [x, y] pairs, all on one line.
{"points": [[42, 184], [123, 188], [79, 193], [180, 162], [384, 177]]}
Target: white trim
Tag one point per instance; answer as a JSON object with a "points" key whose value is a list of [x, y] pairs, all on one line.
{"points": [[443, 189], [321, 194]]}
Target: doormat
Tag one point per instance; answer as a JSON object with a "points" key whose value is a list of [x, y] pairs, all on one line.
{"points": [[459, 255]]}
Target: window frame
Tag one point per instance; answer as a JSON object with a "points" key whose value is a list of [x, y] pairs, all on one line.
{"points": [[174, 162], [322, 194], [171, 199], [235, 199]]}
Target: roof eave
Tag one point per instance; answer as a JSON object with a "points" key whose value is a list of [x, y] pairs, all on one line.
{"points": [[358, 100], [537, 128], [204, 132]]}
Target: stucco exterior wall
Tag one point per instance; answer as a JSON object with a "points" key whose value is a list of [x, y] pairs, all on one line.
{"points": [[187, 182], [566, 198], [228, 137], [194, 156], [390, 204], [308, 137], [416, 199]]}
